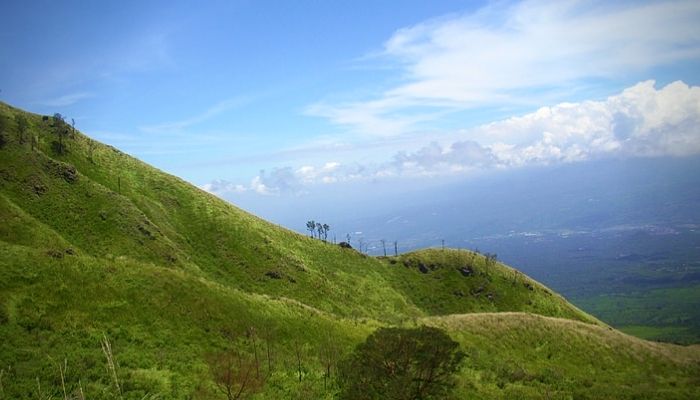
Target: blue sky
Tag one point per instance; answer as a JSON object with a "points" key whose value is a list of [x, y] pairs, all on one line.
{"points": [[328, 92]]}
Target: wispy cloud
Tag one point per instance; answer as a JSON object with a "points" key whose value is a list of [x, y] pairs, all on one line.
{"points": [[640, 121], [507, 54], [66, 100], [207, 114]]}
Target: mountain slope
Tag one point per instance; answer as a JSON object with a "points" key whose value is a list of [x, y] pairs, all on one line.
{"points": [[107, 204], [97, 246]]}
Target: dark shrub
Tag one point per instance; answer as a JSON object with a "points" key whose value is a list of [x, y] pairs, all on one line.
{"points": [[401, 363]]}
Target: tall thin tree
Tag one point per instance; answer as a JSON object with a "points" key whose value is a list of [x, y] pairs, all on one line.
{"points": [[319, 229], [311, 227]]}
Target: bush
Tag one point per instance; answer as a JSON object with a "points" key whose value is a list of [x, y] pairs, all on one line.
{"points": [[401, 363]]}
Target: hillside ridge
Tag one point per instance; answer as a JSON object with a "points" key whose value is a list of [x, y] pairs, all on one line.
{"points": [[97, 248]]}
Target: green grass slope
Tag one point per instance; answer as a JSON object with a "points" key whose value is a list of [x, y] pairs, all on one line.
{"points": [[95, 244], [104, 203]]}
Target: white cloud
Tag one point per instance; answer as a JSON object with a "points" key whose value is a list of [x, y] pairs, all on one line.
{"points": [[220, 187], [640, 121], [516, 53]]}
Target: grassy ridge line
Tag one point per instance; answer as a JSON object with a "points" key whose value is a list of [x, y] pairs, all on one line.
{"points": [[521, 355]]}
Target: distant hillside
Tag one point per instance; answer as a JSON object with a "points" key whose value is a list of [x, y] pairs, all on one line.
{"points": [[103, 257]]}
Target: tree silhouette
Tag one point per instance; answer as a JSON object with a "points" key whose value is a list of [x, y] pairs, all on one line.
{"points": [[22, 125], [360, 244], [61, 130], [326, 228], [401, 363], [319, 229], [311, 227]]}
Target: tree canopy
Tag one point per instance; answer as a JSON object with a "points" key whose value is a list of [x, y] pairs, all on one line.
{"points": [[401, 363]]}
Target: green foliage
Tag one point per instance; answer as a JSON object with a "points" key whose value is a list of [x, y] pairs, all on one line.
{"points": [[402, 363], [172, 275]]}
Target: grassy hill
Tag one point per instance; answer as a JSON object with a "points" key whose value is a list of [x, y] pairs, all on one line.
{"points": [[99, 249]]}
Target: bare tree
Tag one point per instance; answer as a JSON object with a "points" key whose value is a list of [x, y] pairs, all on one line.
{"points": [[22, 125], [91, 150], [384, 246], [252, 336], [311, 227], [396, 248], [268, 335], [61, 129], [299, 357], [329, 353], [234, 374], [319, 229], [326, 228]]}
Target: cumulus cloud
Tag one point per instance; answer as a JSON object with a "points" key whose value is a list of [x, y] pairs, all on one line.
{"points": [[515, 53], [220, 187], [641, 121]]}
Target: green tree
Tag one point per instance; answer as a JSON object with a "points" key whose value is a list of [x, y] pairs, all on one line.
{"points": [[401, 364]]}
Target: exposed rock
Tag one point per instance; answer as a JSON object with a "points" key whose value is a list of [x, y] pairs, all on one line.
{"points": [[273, 274], [345, 245], [146, 232], [466, 271], [62, 170], [54, 253], [529, 286], [423, 268], [39, 189], [69, 173]]}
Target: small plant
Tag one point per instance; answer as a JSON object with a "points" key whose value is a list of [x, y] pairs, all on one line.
{"points": [[111, 365]]}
